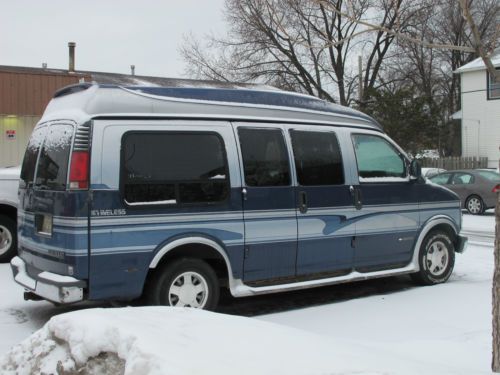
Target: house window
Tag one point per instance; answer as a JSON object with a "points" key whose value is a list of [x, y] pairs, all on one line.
{"points": [[493, 87]]}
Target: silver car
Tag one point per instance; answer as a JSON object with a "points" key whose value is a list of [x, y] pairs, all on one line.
{"points": [[476, 187]]}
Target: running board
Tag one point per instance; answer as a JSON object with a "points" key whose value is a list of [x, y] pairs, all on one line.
{"points": [[238, 289]]}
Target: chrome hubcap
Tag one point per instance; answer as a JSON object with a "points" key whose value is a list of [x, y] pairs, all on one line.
{"points": [[189, 289], [474, 205], [5, 239], [436, 258]]}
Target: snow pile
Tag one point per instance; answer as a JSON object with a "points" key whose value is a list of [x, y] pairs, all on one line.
{"points": [[163, 340]]}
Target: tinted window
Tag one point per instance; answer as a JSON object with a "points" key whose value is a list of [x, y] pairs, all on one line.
{"points": [[170, 168], [377, 158], [317, 158], [441, 179], [265, 159], [462, 178], [31, 154], [54, 158]]}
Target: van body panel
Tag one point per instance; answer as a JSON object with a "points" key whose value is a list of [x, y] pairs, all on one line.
{"points": [[125, 238]]}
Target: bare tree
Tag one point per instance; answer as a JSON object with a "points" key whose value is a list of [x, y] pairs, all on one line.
{"points": [[309, 46]]}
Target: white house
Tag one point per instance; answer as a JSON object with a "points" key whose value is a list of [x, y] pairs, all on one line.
{"points": [[480, 113]]}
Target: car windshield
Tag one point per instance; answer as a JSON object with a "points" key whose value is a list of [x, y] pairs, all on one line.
{"points": [[490, 175]]}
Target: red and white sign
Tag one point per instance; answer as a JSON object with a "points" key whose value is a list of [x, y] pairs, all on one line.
{"points": [[10, 134]]}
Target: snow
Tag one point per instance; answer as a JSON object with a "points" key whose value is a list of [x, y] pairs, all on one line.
{"points": [[384, 179], [478, 64], [442, 329], [168, 201]]}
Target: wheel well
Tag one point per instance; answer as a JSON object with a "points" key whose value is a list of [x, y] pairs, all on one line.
{"points": [[472, 195], [448, 229], [196, 251], [8, 211]]}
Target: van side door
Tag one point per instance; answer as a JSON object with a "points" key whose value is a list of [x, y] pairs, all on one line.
{"points": [[387, 203], [268, 203], [324, 202]]}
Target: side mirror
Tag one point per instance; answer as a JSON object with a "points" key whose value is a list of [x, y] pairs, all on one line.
{"points": [[415, 169]]}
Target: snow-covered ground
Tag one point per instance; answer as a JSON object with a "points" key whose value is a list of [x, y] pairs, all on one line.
{"points": [[417, 330]]}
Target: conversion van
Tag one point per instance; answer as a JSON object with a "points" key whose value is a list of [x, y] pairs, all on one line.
{"points": [[174, 193]]}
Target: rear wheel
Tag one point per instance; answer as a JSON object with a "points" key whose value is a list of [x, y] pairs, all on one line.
{"points": [[474, 205], [185, 283], [8, 238], [436, 259]]}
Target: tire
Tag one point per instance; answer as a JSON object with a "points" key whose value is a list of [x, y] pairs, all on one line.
{"points": [[169, 285], [435, 269], [8, 238], [474, 205]]}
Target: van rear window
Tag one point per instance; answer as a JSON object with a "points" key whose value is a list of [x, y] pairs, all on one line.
{"points": [[53, 163], [173, 168], [31, 155]]}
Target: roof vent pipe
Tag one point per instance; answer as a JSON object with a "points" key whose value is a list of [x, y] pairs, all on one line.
{"points": [[71, 46], [132, 69], [44, 65]]}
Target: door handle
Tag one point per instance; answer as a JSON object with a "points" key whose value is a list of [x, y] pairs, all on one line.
{"points": [[303, 202]]}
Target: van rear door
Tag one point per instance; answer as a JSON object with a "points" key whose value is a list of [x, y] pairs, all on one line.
{"points": [[52, 219]]}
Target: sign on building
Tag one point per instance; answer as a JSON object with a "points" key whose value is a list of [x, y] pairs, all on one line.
{"points": [[10, 134]]}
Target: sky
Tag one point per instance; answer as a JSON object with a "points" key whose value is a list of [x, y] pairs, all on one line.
{"points": [[110, 35]]}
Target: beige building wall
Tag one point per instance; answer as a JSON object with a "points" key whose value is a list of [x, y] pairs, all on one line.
{"points": [[15, 133], [480, 119]]}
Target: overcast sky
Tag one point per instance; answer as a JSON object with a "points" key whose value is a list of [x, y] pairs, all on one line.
{"points": [[110, 35]]}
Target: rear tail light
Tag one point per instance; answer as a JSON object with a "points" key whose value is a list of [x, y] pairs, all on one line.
{"points": [[496, 189], [79, 170]]}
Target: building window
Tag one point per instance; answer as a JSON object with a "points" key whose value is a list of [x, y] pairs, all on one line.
{"points": [[493, 87]]}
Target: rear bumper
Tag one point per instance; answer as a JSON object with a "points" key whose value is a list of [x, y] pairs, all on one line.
{"points": [[47, 285], [461, 244]]}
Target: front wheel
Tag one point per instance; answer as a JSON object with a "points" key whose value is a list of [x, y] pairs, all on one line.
{"points": [[436, 259], [8, 238], [185, 283]]}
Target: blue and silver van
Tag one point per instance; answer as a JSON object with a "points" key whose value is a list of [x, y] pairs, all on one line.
{"points": [[175, 193]]}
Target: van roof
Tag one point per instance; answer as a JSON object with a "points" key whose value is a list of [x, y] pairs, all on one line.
{"points": [[86, 101]]}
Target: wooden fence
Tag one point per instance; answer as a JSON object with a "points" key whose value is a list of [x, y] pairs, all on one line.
{"points": [[453, 163]]}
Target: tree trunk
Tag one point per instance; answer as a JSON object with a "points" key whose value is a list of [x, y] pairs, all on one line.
{"points": [[495, 364]]}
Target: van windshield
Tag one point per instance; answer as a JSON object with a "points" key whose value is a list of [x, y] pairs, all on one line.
{"points": [[53, 163], [31, 155]]}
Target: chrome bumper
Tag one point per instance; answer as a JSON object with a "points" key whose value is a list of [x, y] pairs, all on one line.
{"points": [[50, 286]]}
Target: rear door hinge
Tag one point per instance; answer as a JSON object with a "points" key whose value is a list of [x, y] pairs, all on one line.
{"points": [[247, 250], [353, 242]]}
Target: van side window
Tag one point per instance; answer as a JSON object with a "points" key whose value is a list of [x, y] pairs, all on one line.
{"points": [[317, 158], [265, 158], [173, 168], [377, 158]]}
